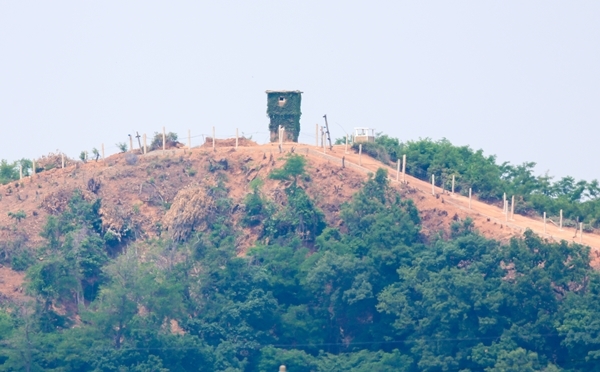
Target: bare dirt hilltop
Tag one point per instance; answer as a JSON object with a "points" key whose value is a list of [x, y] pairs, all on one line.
{"points": [[138, 190]]}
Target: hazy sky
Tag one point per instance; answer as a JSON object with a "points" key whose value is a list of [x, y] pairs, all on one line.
{"points": [[518, 79]]}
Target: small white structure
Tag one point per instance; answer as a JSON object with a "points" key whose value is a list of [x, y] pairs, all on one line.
{"points": [[363, 134]]}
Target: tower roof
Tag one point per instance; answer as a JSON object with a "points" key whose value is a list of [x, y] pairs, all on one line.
{"points": [[283, 91]]}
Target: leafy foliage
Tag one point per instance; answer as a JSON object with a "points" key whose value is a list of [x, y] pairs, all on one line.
{"points": [[18, 215], [293, 167], [157, 141], [369, 294], [122, 146], [10, 171], [283, 108], [579, 200]]}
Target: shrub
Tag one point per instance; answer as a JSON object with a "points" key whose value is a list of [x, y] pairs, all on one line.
{"points": [[95, 153], [19, 215], [22, 260], [157, 141], [293, 167], [122, 146], [131, 159]]}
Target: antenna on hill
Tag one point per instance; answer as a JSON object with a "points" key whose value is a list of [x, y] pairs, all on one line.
{"points": [[327, 132]]}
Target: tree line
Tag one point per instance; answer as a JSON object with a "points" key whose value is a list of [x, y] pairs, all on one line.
{"points": [[489, 180]]}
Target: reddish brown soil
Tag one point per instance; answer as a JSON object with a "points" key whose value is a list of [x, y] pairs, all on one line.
{"points": [[136, 190], [11, 285]]}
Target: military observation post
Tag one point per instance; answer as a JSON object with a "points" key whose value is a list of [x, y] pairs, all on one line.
{"points": [[283, 109]]}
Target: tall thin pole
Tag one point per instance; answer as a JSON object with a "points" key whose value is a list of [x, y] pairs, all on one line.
{"points": [[145, 147], [397, 168], [512, 208], [317, 135], [20, 171], [544, 222], [62, 157], [433, 184], [469, 198], [103, 158], [236, 138], [282, 135], [346, 150], [560, 223], [360, 154], [327, 132], [164, 140], [452, 184], [504, 206], [213, 139], [404, 168], [130, 143]]}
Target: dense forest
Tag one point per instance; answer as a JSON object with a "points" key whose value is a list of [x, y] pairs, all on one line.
{"points": [[579, 200], [373, 294]]}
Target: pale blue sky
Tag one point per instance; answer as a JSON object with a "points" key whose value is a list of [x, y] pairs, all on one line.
{"points": [[519, 79]]}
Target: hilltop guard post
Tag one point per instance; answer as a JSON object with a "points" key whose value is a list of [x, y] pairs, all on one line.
{"points": [[283, 108], [364, 134]]}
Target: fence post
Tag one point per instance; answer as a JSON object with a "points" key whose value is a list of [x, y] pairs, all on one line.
{"points": [[20, 171], [560, 225], [62, 156], [469, 198], [164, 140], [512, 208], [317, 135], [360, 154], [279, 135], [397, 168], [236, 138], [544, 222], [433, 184], [346, 150], [213, 139], [404, 168], [130, 143]]}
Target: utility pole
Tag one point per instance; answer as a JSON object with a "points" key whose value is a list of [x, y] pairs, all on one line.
{"points": [[327, 132], [137, 135]]}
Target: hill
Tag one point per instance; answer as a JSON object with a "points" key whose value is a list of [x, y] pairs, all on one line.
{"points": [[244, 259], [138, 190]]}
